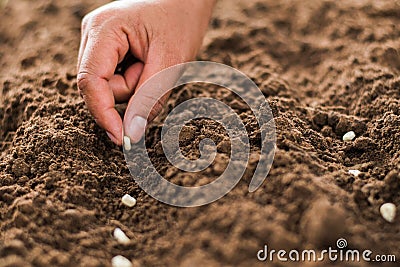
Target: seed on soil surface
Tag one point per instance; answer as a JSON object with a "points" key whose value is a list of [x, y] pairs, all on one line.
{"points": [[120, 261], [128, 200], [388, 211], [349, 136], [127, 143], [356, 173], [121, 237]]}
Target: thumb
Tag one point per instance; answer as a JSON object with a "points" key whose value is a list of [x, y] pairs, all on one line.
{"points": [[152, 91]]}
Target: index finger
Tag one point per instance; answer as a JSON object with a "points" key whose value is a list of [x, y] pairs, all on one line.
{"points": [[97, 66]]}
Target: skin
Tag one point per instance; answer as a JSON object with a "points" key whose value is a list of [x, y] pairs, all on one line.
{"points": [[158, 33]]}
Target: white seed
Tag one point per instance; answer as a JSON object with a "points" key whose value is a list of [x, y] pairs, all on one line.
{"points": [[121, 237], [120, 261], [349, 136], [356, 173], [388, 211], [128, 200], [127, 143]]}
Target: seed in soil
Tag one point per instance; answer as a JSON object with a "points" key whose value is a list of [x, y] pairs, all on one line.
{"points": [[128, 200], [349, 136], [388, 211], [356, 173], [127, 143], [121, 237], [120, 261]]}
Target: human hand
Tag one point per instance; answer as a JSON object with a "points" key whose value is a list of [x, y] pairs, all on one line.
{"points": [[159, 34]]}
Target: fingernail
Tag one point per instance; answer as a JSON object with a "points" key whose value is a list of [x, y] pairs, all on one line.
{"points": [[127, 143], [136, 129]]}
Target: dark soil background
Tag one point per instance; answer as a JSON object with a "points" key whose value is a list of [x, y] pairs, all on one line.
{"points": [[326, 67]]}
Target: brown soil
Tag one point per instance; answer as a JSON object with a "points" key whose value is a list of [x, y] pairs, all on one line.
{"points": [[326, 67]]}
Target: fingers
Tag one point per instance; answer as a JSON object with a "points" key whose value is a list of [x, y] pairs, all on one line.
{"points": [[150, 96], [123, 86], [104, 49], [100, 102]]}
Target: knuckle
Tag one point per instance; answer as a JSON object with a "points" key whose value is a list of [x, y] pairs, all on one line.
{"points": [[105, 25], [104, 17], [98, 19], [95, 19]]}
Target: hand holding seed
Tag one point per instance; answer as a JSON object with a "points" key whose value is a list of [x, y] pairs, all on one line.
{"points": [[157, 34]]}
